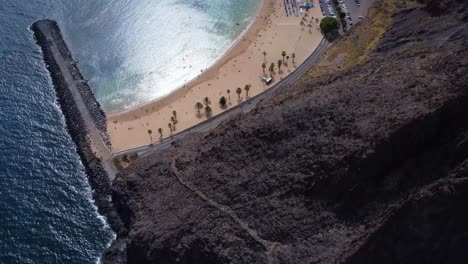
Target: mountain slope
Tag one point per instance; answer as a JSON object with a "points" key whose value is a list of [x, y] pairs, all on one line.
{"points": [[325, 170]]}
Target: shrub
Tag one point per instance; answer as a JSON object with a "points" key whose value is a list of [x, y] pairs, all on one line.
{"points": [[413, 84]]}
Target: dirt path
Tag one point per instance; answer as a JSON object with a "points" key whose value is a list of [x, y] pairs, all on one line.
{"points": [[268, 245]]}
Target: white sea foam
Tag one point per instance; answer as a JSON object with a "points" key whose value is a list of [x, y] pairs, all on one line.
{"points": [[146, 50]]}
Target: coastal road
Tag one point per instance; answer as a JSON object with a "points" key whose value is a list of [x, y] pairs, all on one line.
{"points": [[242, 107]]}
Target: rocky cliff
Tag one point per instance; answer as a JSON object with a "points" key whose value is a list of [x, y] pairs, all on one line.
{"points": [[362, 164]]}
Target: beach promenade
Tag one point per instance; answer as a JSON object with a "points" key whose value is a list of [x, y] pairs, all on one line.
{"points": [[273, 31], [243, 107]]}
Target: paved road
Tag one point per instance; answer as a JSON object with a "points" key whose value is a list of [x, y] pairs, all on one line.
{"points": [[354, 10], [242, 107], [360, 10], [323, 7]]}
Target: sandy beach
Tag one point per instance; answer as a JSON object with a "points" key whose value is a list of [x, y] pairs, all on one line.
{"points": [[272, 32]]}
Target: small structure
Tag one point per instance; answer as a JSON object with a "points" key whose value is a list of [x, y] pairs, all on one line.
{"points": [[266, 80], [307, 5]]}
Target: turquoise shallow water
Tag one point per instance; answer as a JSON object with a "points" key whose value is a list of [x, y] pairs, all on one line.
{"points": [[131, 51], [136, 51]]}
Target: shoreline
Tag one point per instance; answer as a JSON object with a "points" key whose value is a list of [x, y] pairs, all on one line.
{"points": [[222, 59], [232, 52], [270, 31], [81, 112]]}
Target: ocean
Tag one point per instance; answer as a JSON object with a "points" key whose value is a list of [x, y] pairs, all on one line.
{"points": [[131, 52], [138, 51]]}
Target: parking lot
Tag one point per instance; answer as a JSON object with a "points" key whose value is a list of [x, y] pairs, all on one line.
{"points": [[326, 6], [354, 9], [357, 11]]}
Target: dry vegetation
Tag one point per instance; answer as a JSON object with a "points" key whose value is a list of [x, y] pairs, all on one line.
{"points": [[355, 47], [124, 161]]}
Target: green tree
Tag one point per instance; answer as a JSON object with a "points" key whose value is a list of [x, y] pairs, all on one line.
{"points": [[264, 55], [222, 102], [207, 101], [160, 132], [342, 15], [170, 127], [208, 111], [272, 68], [247, 89], [328, 24], [287, 59], [280, 62], [174, 113], [174, 119], [229, 95], [283, 54], [293, 57], [199, 107], [151, 137], [125, 158], [263, 67], [239, 91]]}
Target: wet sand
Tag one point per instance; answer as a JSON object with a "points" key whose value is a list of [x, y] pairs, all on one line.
{"points": [[272, 31]]}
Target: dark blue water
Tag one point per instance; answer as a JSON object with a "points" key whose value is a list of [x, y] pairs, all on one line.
{"points": [[46, 211], [131, 51]]}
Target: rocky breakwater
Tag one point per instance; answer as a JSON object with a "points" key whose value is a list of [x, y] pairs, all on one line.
{"points": [[361, 165], [84, 118]]}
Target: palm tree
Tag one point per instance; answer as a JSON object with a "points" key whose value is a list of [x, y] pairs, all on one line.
{"points": [[174, 113], [263, 67], [229, 95], [272, 68], [208, 111], [174, 121], [239, 91], [151, 137], [222, 102], [279, 65], [207, 101], [293, 57], [170, 127], [287, 59], [199, 107], [283, 54], [264, 55], [160, 132], [247, 89]]}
